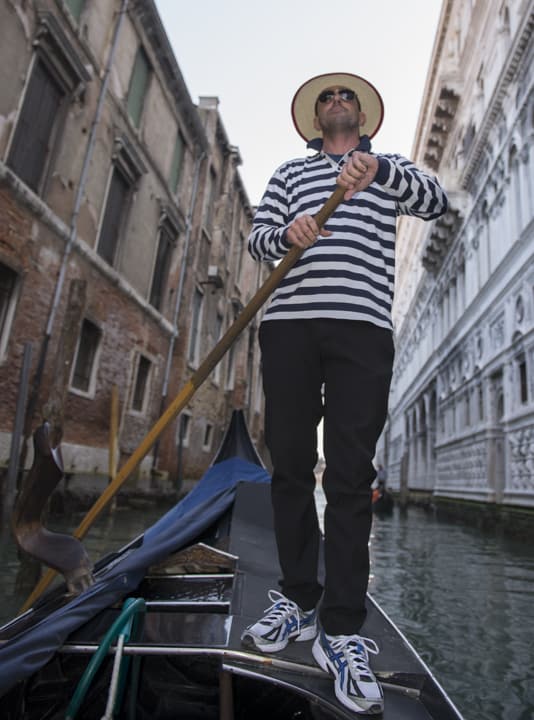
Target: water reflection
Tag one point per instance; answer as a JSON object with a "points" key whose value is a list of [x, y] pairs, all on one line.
{"points": [[464, 598]]}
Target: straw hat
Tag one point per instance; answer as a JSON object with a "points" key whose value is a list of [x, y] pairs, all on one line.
{"points": [[303, 105]]}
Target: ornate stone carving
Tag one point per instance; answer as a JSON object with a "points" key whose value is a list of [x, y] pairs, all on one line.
{"points": [[497, 332], [479, 345], [463, 467], [521, 444], [519, 309]]}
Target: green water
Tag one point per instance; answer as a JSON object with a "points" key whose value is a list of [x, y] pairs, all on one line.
{"points": [[465, 600]]}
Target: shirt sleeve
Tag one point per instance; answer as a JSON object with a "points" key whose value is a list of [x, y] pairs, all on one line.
{"points": [[416, 192], [267, 240]]}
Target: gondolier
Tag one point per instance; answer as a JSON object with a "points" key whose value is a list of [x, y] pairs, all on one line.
{"points": [[327, 352]]}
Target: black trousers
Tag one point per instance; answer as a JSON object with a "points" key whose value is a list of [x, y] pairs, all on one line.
{"points": [[352, 362]]}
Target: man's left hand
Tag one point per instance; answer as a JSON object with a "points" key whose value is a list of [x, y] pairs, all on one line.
{"points": [[358, 173]]}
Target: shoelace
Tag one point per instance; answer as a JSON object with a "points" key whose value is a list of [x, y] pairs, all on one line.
{"points": [[280, 607], [355, 649]]}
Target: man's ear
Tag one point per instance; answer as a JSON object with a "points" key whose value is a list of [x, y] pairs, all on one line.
{"points": [[316, 123], [362, 119]]}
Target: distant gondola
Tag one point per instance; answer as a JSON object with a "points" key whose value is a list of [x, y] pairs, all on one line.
{"points": [[382, 501], [192, 582]]}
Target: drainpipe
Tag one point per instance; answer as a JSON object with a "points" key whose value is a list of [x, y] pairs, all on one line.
{"points": [[179, 295], [73, 224]]}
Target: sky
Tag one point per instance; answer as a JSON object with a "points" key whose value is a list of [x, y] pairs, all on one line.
{"points": [[253, 55]]}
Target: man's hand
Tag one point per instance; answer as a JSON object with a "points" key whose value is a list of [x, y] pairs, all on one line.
{"points": [[303, 232], [358, 173]]}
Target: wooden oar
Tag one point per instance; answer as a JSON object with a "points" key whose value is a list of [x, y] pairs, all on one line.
{"points": [[196, 380]]}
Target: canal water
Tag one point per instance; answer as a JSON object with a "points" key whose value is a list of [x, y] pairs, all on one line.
{"points": [[464, 598]]}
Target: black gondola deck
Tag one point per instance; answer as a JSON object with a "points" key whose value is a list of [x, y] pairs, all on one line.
{"points": [[190, 627]]}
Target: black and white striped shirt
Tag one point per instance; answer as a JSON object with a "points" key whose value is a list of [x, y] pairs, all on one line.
{"points": [[349, 275]]}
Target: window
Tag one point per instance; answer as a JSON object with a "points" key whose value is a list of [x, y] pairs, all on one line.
{"points": [[55, 75], [184, 429], [467, 409], [85, 362], [196, 318], [140, 395], [116, 204], [177, 161], [480, 403], [34, 133], [138, 86], [8, 292], [126, 170], [208, 437], [217, 336], [500, 406], [161, 269], [504, 19], [523, 382], [209, 201]]}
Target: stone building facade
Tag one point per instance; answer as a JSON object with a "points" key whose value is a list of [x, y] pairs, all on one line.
{"points": [[461, 422], [123, 219]]}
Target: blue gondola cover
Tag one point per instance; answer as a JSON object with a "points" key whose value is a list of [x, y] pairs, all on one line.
{"points": [[211, 497]]}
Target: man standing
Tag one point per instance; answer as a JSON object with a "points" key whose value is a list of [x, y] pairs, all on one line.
{"points": [[327, 352]]}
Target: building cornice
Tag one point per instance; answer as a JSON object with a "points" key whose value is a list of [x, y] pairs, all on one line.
{"points": [[431, 81], [475, 152]]}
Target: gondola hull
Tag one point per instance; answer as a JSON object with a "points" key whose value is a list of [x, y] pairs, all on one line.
{"points": [[199, 597]]}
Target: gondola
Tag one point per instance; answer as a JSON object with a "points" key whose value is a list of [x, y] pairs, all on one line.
{"points": [[383, 502], [157, 634]]}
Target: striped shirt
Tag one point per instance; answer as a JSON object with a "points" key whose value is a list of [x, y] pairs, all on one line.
{"points": [[349, 275]]}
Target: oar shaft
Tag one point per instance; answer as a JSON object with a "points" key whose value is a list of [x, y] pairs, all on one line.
{"points": [[196, 380], [262, 295]]}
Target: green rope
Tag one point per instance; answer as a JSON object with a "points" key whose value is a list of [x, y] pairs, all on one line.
{"points": [[126, 624]]}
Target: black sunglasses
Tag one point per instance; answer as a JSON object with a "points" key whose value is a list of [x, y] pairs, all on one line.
{"points": [[328, 95]]}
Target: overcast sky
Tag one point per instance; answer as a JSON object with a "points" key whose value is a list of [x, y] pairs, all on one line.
{"points": [[254, 55]]}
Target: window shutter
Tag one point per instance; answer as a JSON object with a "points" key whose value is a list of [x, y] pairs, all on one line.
{"points": [[138, 86], [161, 269], [33, 134], [113, 216], [177, 160]]}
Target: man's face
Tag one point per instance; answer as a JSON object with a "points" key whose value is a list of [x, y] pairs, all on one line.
{"points": [[337, 107]]}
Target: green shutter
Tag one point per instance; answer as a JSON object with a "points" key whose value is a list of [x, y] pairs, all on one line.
{"points": [[75, 6], [138, 86], [177, 159]]}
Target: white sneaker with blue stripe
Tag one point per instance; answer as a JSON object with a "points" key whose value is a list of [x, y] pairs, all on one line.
{"points": [[346, 658], [284, 621]]}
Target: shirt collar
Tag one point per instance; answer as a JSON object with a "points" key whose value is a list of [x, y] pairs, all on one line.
{"points": [[363, 146]]}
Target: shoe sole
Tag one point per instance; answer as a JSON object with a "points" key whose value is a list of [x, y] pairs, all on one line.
{"points": [[372, 707], [307, 634]]}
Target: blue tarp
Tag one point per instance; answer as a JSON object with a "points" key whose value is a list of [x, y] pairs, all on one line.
{"points": [[211, 497]]}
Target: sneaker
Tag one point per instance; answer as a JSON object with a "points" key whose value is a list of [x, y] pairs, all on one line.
{"points": [[283, 621], [346, 658]]}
